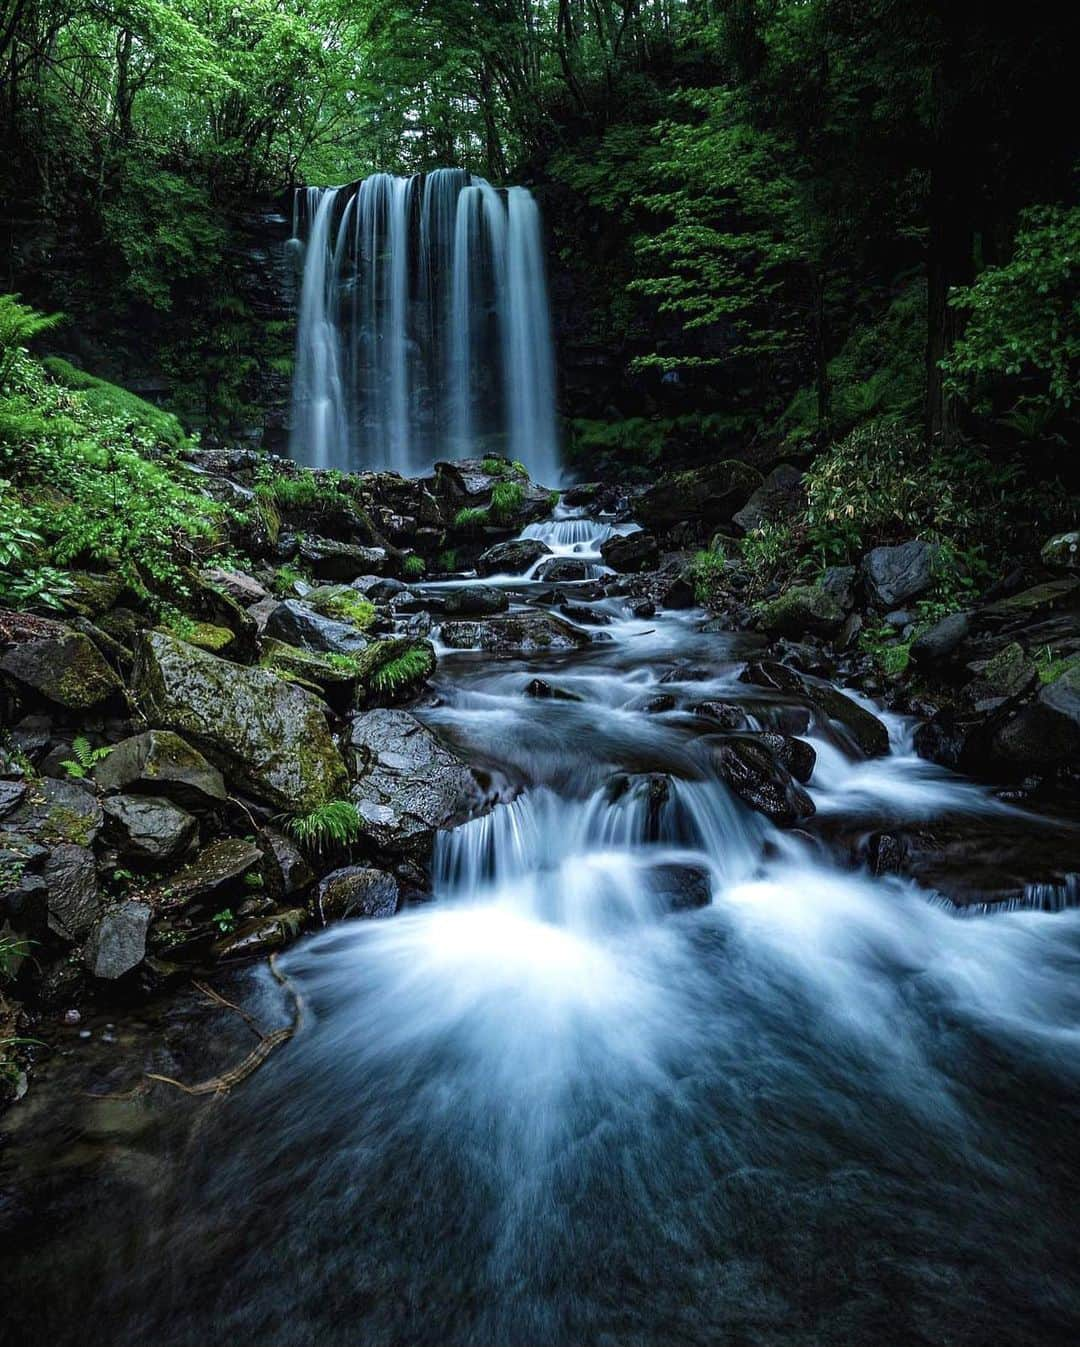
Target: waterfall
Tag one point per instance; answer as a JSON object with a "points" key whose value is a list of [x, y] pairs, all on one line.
{"points": [[423, 329]]}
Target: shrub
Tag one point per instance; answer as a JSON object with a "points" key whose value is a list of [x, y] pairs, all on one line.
{"points": [[706, 574]]}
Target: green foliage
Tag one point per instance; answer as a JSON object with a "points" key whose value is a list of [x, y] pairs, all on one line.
{"points": [[413, 567], [335, 824], [348, 606], [470, 519], [494, 467], [409, 667], [301, 491], [766, 548], [707, 570], [447, 561], [110, 401], [19, 325], [889, 653], [24, 582], [86, 758], [507, 499], [225, 920], [1022, 319]]}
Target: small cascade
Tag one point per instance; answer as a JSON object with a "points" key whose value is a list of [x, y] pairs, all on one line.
{"points": [[423, 327]]}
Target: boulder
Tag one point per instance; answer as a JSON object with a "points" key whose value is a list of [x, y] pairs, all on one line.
{"points": [[938, 643], [779, 496], [563, 570], [514, 634], [50, 660], [260, 935], [1008, 676], [118, 942], [160, 763], [760, 781], [697, 499], [631, 552], [512, 558], [1062, 552], [56, 811], [726, 714], [475, 601], [147, 827], [356, 891], [1037, 601], [297, 624], [341, 562], [408, 782], [74, 901], [396, 669], [218, 867], [680, 888], [285, 870], [586, 616], [864, 728], [272, 736], [1046, 732], [893, 575], [216, 612], [245, 589], [802, 610], [796, 755], [839, 582], [543, 690]]}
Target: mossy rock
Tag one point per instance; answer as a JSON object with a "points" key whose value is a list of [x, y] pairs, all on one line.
{"points": [[394, 670], [800, 611], [310, 665], [206, 636], [54, 662]]}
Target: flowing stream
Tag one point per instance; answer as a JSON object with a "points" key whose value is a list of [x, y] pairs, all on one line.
{"points": [[560, 1104]]}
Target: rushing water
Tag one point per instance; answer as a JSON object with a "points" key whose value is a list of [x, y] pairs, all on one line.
{"points": [[423, 328], [553, 1106]]}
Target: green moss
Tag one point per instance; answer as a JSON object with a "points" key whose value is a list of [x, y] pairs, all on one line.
{"points": [[112, 401], [206, 636], [344, 604]]}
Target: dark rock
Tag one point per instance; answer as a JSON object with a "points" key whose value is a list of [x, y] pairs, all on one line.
{"points": [[652, 790], [1046, 732], [1008, 676], [754, 774], [895, 574], [272, 736], [341, 562], [803, 610], [680, 888], [663, 701], [865, 729], [218, 867], [643, 609], [148, 828], [679, 594], [1036, 601], [780, 495], [57, 811], [11, 794], [512, 558], [260, 935], [726, 714], [697, 499], [539, 687], [73, 898], [796, 755], [588, 617], [475, 601], [940, 641], [631, 552], [562, 570], [245, 589], [1062, 552], [408, 783], [52, 661], [839, 583], [386, 589], [356, 891], [297, 624], [285, 870], [118, 942], [161, 763], [514, 633]]}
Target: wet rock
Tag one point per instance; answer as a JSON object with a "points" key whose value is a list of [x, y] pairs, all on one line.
{"points": [[643, 609], [937, 644], [12, 794], [796, 755], [514, 633], [661, 702], [864, 728], [52, 661], [680, 888], [1046, 732], [74, 901], [780, 495], [803, 610], [273, 737], [408, 783], [261, 935], [384, 590], [57, 811], [147, 827], [698, 499], [587, 617], [754, 774], [357, 891], [563, 570], [217, 868], [285, 870], [726, 714], [541, 688], [1062, 552], [396, 669], [648, 790], [475, 601], [679, 594], [245, 589], [512, 558], [341, 562], [213, 608], [118, 942], [297, 624], [1036, 601], [160, 763], [895, 574], [631, 552], [839, 583], [1006, 677]]}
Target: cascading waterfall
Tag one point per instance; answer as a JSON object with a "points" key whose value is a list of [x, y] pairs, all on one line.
{"points": [[424, 329]]}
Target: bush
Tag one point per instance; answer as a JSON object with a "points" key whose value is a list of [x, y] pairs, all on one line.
{"points": [[118, 404]]}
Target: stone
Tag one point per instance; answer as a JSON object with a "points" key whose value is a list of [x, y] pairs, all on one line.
{"points": [[50, 660], [938, 643], [839, 582], [1046, 732], [658, 704], [1036, 601], [864, 728], [74, 901], [261, 935], [396, 669], [780, 495], [802, 610], [1006, 677], [356, 891], [679, 594], [697, 499], [57, 811], [284, 869], [584, 616], [760, 781], [160, 763], [243, 588], [514, 633], [218, 867], [475, 601], [726, 714], [408, 782], [631, 552], [796, 755], [213, 608], [12, 793], [512, 558], [542, 689], [1061, 552], [563, 570], [341, 562], [272, 736], [297, 624], [893, 575], [680, 888], [118, 942], [147, 827]]}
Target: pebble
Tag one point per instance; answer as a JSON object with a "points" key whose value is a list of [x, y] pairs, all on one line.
{"points": [[72, 1017]]}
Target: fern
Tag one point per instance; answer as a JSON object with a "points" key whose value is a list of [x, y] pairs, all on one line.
{"points": [[411, 666], [86, 758], [336, 823], [19, 324], [413, 567], [471, 519]]}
